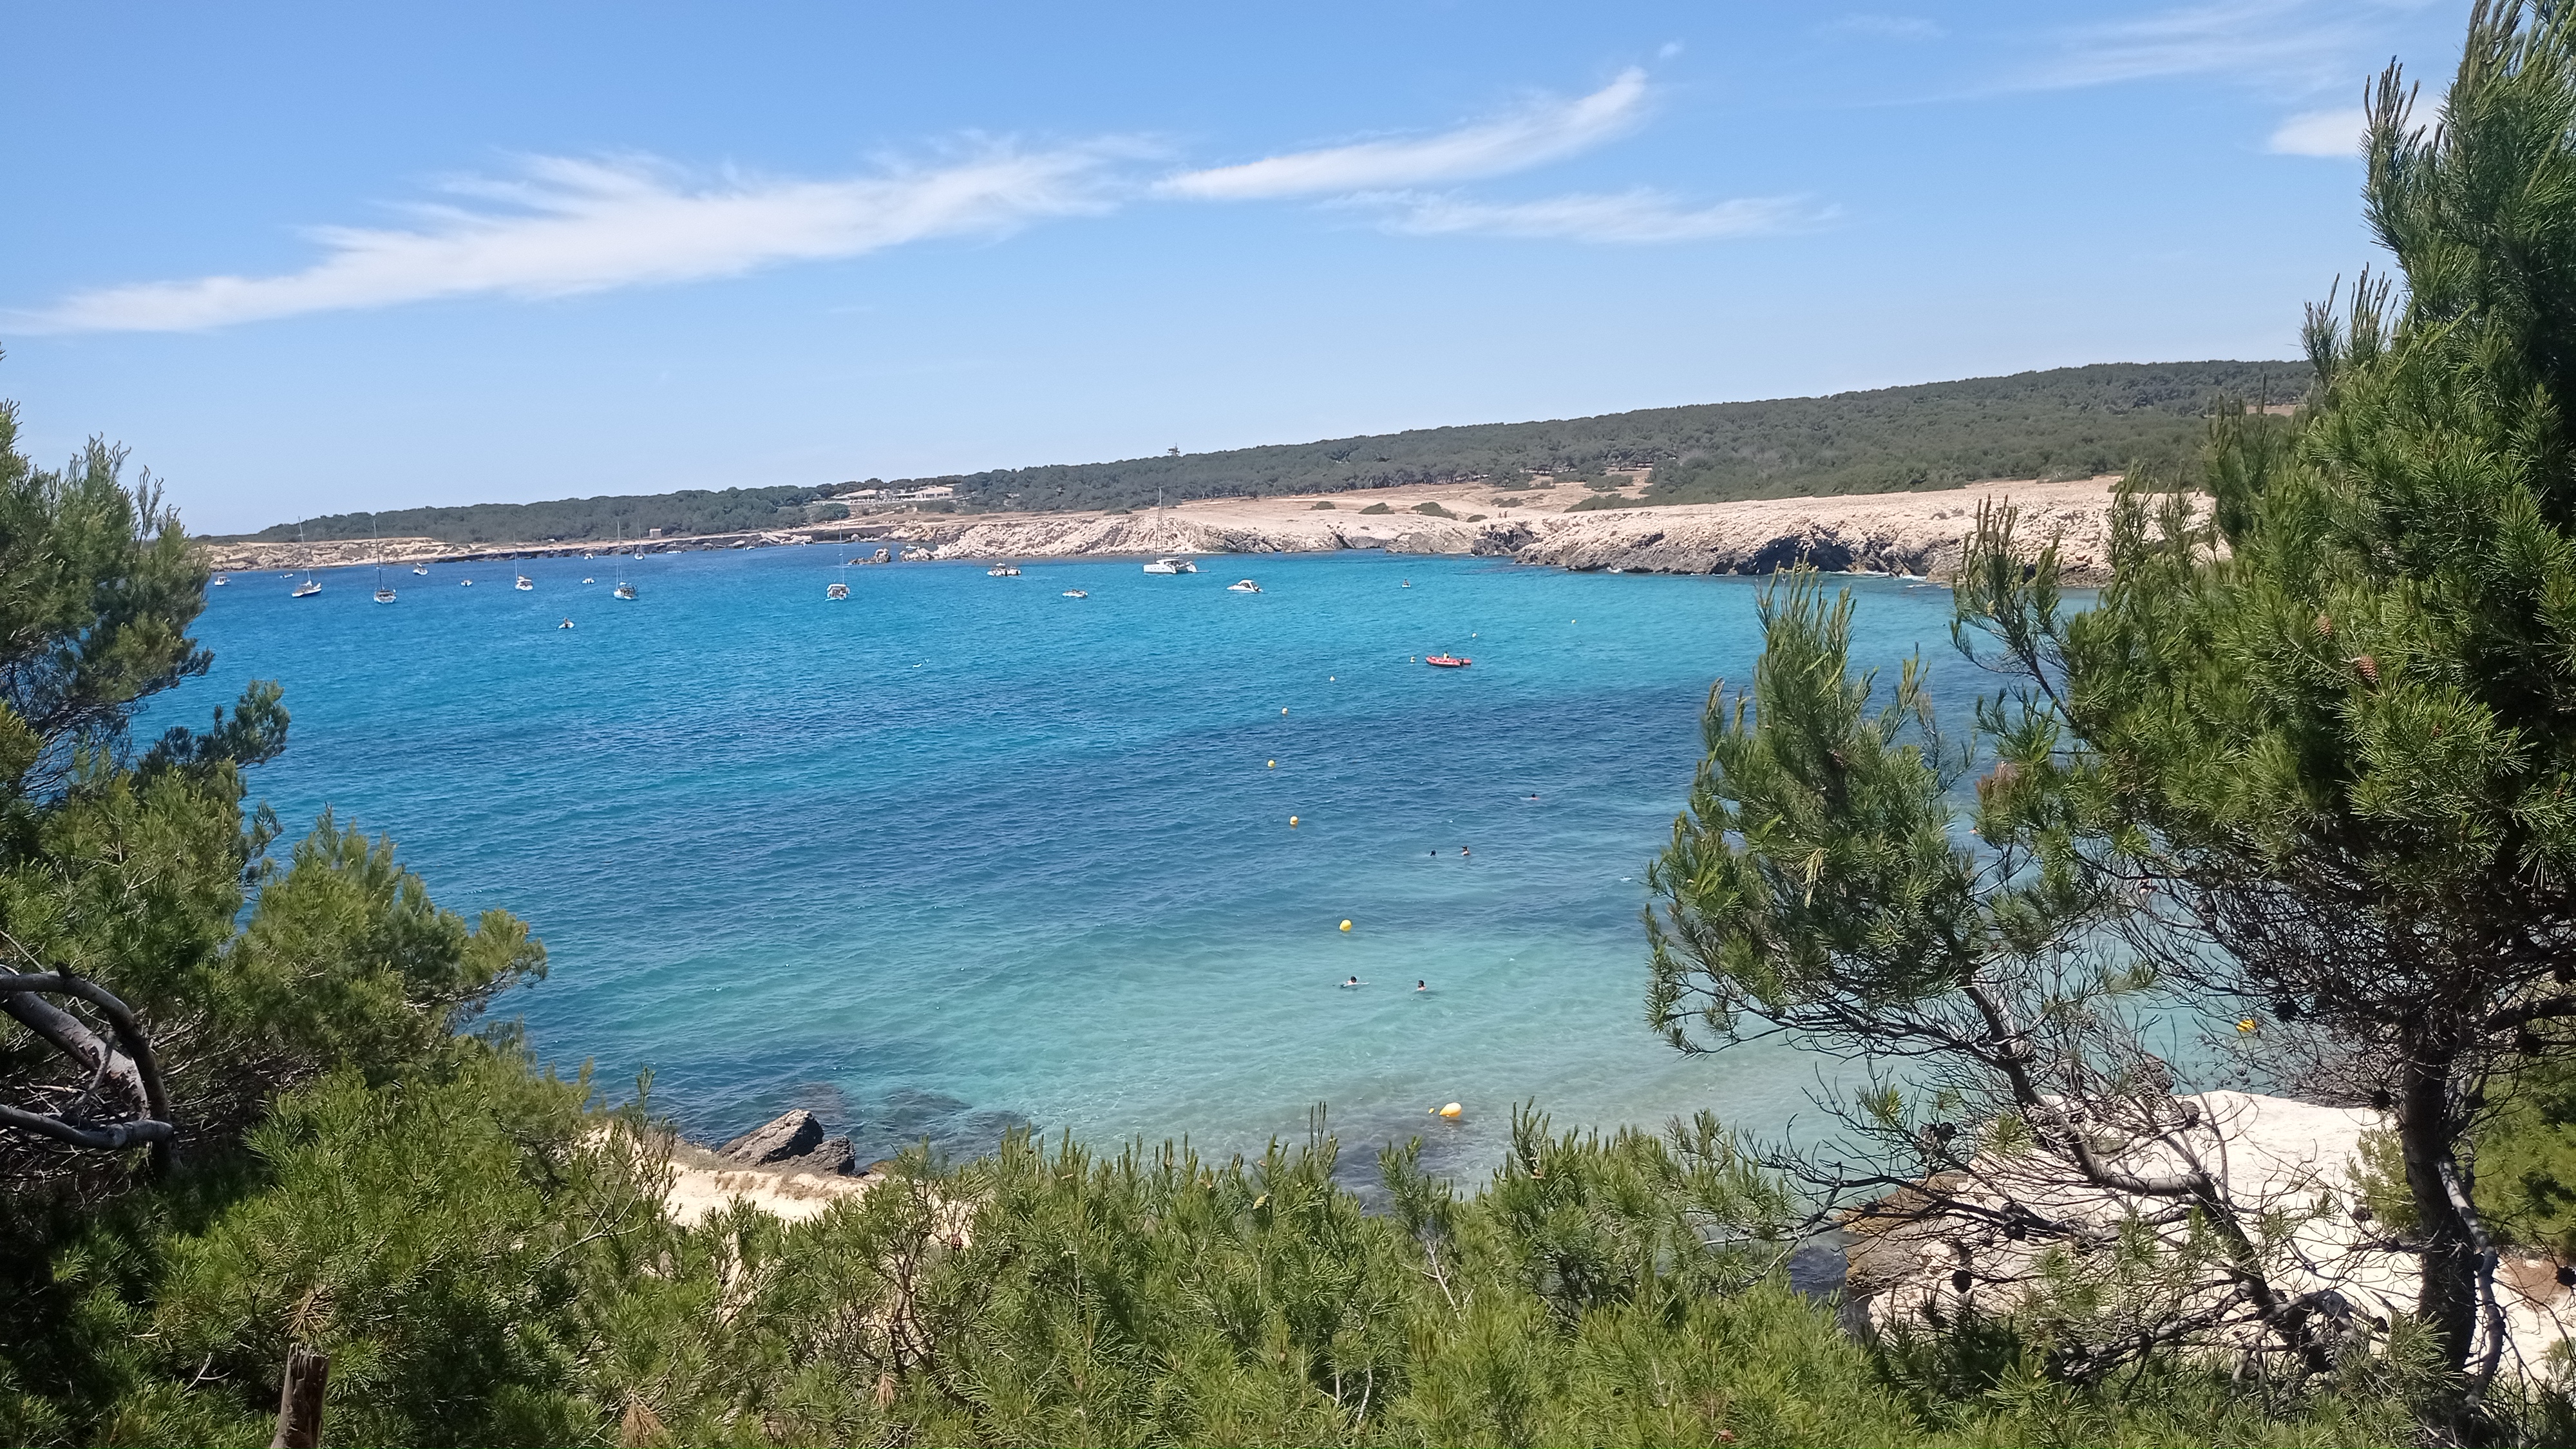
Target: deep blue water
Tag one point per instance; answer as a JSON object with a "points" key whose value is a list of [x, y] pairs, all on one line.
{"points": [[960, 851]]}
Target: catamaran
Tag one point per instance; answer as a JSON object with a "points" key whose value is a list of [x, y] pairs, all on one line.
{"points": [[1171, 566]]}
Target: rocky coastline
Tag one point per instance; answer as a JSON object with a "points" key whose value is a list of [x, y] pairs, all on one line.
{"points": [[1914, 534]]}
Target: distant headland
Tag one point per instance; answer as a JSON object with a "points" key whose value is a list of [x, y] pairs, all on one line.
{"points": [[2061, 425]]}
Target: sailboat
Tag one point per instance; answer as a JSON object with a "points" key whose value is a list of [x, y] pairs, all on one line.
{"points": [[311, 585], [524, 584], [840, 587], [384, 595], [625, 588]]}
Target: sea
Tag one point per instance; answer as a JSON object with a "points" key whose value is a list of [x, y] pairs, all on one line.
{"points": [[960, 853]]}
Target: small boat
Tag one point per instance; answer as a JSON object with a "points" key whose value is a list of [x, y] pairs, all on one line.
{"points": [[1447, 661], [836, 590], [307, 589], [524, 584], [1003, 571], [590, 581], [384, 595], [465, 583], [1243, 586], [220, 580], [625, 589], [1077, 593], [421, 569], [1171, 566], [566, 624]]}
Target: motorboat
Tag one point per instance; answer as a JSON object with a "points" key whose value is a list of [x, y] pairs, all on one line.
{"points": [[1003, 571], [1171, 566], [566, 624], [1243, 586], [421, 569], [1447, 661], [465, 583], [1077, 593], [220, 580], [590, 581], [525, 584]]}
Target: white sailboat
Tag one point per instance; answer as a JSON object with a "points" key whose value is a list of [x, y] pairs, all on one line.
{"points": [[525, 584], [384, 595], [840, 587], [311, 585], [625, 587]]}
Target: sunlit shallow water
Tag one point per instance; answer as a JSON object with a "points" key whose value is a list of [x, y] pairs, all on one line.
{"points": [[960, 851]]}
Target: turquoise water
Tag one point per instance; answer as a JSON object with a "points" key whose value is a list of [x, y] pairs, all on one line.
{"points": [[960, 852]]}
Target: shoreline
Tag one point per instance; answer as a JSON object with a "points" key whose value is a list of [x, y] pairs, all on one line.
{"points": [[1918, 535]]}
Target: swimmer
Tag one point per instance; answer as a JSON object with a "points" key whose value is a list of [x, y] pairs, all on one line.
{"points": [[1462, 850], [1421, 985], [1354, 981]]}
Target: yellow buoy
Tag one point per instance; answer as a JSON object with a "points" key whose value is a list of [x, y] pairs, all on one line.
{"points": [[1292, 822], [1283, 711], [2246, 1025], [1274, 764], [1452, 1112], [1346, 925]]}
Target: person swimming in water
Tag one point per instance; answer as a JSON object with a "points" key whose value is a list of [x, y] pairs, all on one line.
{"points": [[1421, 985], [1354, 981], [1462, 850]]}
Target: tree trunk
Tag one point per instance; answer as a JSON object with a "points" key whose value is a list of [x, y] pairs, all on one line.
{"points": [[2449, 1299], [299, 1399]]}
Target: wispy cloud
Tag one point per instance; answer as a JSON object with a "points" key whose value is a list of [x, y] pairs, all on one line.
{"points": [[1545, 131], [2335, 132], [564, 226], [1887, 27], [1639, 216], [2302, 42]]}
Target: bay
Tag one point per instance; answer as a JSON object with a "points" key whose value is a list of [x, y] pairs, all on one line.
{"points": [[960, 852]]}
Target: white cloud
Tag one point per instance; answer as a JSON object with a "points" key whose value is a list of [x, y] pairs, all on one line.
{"points": [[2294, 41], [2334, 132], [1637, 216], [1545, 131], [567, 226]]}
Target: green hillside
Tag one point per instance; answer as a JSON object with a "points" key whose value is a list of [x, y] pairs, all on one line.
{"points": [[2067, 422]]}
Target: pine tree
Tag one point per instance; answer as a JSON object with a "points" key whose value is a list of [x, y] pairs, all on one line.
{"points": [[2305, 769]]}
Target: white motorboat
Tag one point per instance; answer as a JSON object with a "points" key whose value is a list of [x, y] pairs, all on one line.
{"points": [[1077, 593], [220, 580], [421, 569], [525, 584], [1171, 566], [1243, 586], [1003, 571]]}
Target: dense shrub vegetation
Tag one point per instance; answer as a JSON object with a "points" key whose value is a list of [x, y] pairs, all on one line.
{"points": [[2070, 422]]}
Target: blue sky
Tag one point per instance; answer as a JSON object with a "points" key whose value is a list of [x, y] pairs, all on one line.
{"points": [[310, 258]]}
